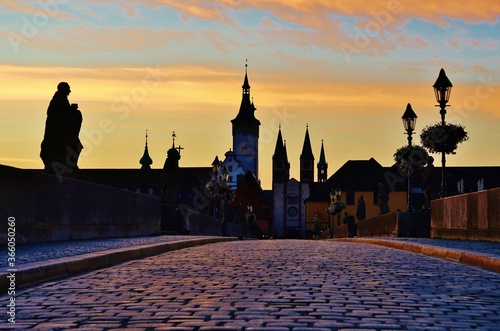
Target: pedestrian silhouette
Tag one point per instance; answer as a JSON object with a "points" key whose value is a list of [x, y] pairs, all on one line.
{"points": [[429, 183]]}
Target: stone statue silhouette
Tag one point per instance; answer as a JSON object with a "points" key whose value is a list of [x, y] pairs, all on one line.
{"points": [[74, 146], [170, 175], [383, 199], [361, 208], [61, 147]]}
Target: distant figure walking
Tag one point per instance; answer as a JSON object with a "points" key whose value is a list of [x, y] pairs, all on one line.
{"points": [[429, 183], [61, 146]]}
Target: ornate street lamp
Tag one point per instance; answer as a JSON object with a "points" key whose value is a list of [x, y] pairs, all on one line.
{"points": [[224, 175], [442, 90], [409, 121], [215, 173], [216, 167]]}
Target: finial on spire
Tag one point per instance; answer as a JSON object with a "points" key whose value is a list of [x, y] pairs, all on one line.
{"points": [[307, 125], [146, 160], [279, 126], [173, 139]]}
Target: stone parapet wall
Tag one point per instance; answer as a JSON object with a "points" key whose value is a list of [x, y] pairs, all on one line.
{"points": [[471, 216], [51, 208], [396, 224], [380, 226]]}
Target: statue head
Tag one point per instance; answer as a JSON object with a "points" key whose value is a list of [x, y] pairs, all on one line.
{"points": [[64, 88]]}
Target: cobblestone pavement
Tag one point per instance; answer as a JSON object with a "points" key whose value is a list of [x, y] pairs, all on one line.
{"points": [[276, 285], [53, 250]]}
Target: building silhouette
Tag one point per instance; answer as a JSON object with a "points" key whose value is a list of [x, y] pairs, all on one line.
{"points": [[244, 155], [290, 194], [287, 210]]}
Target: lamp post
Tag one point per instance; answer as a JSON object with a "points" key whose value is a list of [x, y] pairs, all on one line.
{"points": [[409, 121], [215, 173], [224, 176], [442, 90], [338, 192]]}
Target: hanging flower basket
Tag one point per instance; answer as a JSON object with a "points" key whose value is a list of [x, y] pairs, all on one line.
{"points": [[335, 208], [226, 193], [220, 189], [411, 156], [438, 138]]}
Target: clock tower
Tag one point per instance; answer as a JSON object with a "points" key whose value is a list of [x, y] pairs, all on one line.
{"points": [[246, 132]]}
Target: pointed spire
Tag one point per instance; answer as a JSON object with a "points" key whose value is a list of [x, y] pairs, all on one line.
{"points": [[322, 165], [307, 160], [146, 160], [247, 108], [286, 153], [307, 153], [281, 166], [246, 86], [322, 158], [279, 150]]}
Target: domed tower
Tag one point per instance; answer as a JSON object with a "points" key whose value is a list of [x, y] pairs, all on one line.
{"points": [[146, 160], [246, 132]]}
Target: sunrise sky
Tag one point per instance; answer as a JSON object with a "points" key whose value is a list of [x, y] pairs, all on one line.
{"points": [[345, 68]]}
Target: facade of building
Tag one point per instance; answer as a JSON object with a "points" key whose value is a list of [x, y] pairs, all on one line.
{"points": [[361, 182], [290, 194], [244, 155]]}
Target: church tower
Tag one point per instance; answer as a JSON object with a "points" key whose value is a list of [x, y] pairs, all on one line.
{"points": [[246, 132], [146, 160], [322, 166], [281, 166], [307, 161]]}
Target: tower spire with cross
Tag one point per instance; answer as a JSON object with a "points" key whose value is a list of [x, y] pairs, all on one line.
{"points": [[179, 148]]}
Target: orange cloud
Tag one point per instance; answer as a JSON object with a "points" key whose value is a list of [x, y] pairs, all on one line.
{"points": [[314, 13], [53, 10], [80, 40]]}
